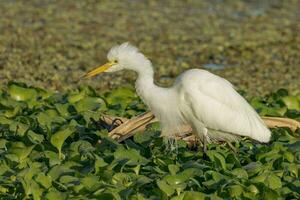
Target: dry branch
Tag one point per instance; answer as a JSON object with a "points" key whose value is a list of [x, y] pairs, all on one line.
{"points": [[128, 127]]}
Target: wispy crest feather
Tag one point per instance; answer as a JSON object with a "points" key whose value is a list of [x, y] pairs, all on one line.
{"points": [[121, 50]]}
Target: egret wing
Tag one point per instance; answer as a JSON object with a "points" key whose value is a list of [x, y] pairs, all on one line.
{"points": [[216, 104]]}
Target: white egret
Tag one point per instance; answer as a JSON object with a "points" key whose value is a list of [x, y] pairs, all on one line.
{"points": [[206, 102]]}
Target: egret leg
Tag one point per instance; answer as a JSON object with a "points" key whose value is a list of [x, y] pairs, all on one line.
{"points": [[202, 134], [205, 139]]}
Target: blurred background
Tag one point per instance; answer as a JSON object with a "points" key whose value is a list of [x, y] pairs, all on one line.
{"points": [[255, 44]]}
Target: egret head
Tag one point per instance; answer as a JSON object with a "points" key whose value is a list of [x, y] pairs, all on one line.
{"points": [[124, 56]]}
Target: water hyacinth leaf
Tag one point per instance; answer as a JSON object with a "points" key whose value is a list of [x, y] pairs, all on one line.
{"points": [[217, 158], [3, 143], [145, 138], [57, 195], [63, 109], [121, 97], [18, 128], [177, 182], [132, 156], [293, 169], [173, 169], [124, 179], [31, 187], [190, 195], [253, 189], [124, 93], [73, 98], [4, 168], [253, 168], [273, 181], [34, 137], [52, 158], [80, 148], [5, 120], [99, 163], [20, 151], [142, 180], [58, 138], [240, 173], [235, 191], [288, 156], [69, 180], [291, 102], [91, 182], [191, 172], [59, 170], [12, 113], [175, 179], [165, 187], [44, 180], [90, 104], [49, 117], [22, 93], [89, 116], [109, 196]]}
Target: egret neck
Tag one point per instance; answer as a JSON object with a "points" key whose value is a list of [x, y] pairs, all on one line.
{"points": [[144, 84]]}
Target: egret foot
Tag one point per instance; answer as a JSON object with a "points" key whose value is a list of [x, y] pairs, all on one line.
{"points": [[231, 147]]}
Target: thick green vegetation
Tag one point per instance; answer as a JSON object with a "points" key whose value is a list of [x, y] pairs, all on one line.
{"points": [[51, 148]]}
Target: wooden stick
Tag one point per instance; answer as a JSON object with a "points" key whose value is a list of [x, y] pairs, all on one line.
{"points": [[129, 127], [273, 122]]}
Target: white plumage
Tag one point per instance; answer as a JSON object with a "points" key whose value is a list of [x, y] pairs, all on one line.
{"points": [[199, 98]]}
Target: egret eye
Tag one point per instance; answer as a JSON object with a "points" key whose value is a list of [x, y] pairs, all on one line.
{"points": [[114, 61]]}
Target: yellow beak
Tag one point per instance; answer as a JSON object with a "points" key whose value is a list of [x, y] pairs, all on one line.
{"points": [[98, 70]]}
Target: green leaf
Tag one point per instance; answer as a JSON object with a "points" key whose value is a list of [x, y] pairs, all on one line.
{"points": [[273, 181], [90, 104], [19, 128], [12, 113], [3, 143], [44, 180], [29, 185], [173, 169], [54, 194], [293, 169], [240, 173], [190, 195], [132, 156], [21, 93], [235, 191], [124, 179], [52, 158], [217, 158], [63, 109], [59, 137], [69, 180], [20, 151], [91, 183], [270, 180], [291, 102], [99, 162], [59, 170], [48, 117], [34, 137], [4, 120], [73, 98], [165, 187]]}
